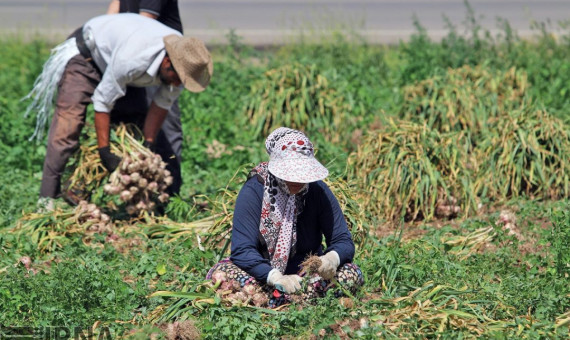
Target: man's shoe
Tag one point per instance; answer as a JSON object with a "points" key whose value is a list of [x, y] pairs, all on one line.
{"points": [[45, 204]]}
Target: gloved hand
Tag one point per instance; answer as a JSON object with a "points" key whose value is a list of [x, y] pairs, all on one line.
{"points": [[329, 265], [286, 283], [150, 145], [110, 161]]}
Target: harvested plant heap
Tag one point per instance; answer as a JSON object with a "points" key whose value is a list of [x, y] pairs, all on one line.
{"points": [[220, 291], [527, 153], [299, 97], [474, 135], [432, 309], [225, 291], [409, 170], [52, 230], [465, 98], [140, 182], [92, 218]]}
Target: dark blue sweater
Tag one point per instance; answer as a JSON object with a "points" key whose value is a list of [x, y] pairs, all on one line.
{"points": [[321, 216]]}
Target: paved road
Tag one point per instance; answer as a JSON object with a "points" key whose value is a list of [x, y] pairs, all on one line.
{"points": [[279, 21]]}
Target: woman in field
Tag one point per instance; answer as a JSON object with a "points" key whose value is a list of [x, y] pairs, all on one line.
{"points": [[282, 213]]}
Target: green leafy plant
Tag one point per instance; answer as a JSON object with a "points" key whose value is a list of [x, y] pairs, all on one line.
{"points": [[68, 294], [560, 242]]}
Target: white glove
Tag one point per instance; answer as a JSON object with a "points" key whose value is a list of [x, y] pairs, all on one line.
{"points": [[329, 265], [286, 283]]}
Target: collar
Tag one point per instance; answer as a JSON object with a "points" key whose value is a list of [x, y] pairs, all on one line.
{"points": [[154, 67]]}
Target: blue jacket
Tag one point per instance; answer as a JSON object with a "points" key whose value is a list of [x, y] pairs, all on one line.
{"points": [[321, 216]]}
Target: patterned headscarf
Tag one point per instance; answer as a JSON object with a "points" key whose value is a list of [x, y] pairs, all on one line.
{"points": [[279, 211]]}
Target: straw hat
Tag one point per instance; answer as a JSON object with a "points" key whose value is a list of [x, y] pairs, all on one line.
{"points": [[191, 60], [292, 157]]}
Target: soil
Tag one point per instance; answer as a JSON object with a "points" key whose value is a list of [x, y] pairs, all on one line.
{"points": [[338, 330], [181, 330]]}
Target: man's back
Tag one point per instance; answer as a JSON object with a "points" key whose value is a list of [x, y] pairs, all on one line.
{"points": [[130, 37]]}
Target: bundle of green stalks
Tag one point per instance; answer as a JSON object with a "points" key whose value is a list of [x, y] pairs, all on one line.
{"points": [[299, 97], [164, 228], [137, 186], [410, 171], [192, 297], [465, 246], [528, 153], [465, 98]]}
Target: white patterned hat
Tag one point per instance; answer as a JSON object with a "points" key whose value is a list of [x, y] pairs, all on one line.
{"points": [[292, 157]]}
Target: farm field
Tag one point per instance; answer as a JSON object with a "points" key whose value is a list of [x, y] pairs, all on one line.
{"points": [[450, 158]]}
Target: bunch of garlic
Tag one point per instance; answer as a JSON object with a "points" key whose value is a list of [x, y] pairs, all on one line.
{"points": [[89, 213], [140, 181], [233, 292]]}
